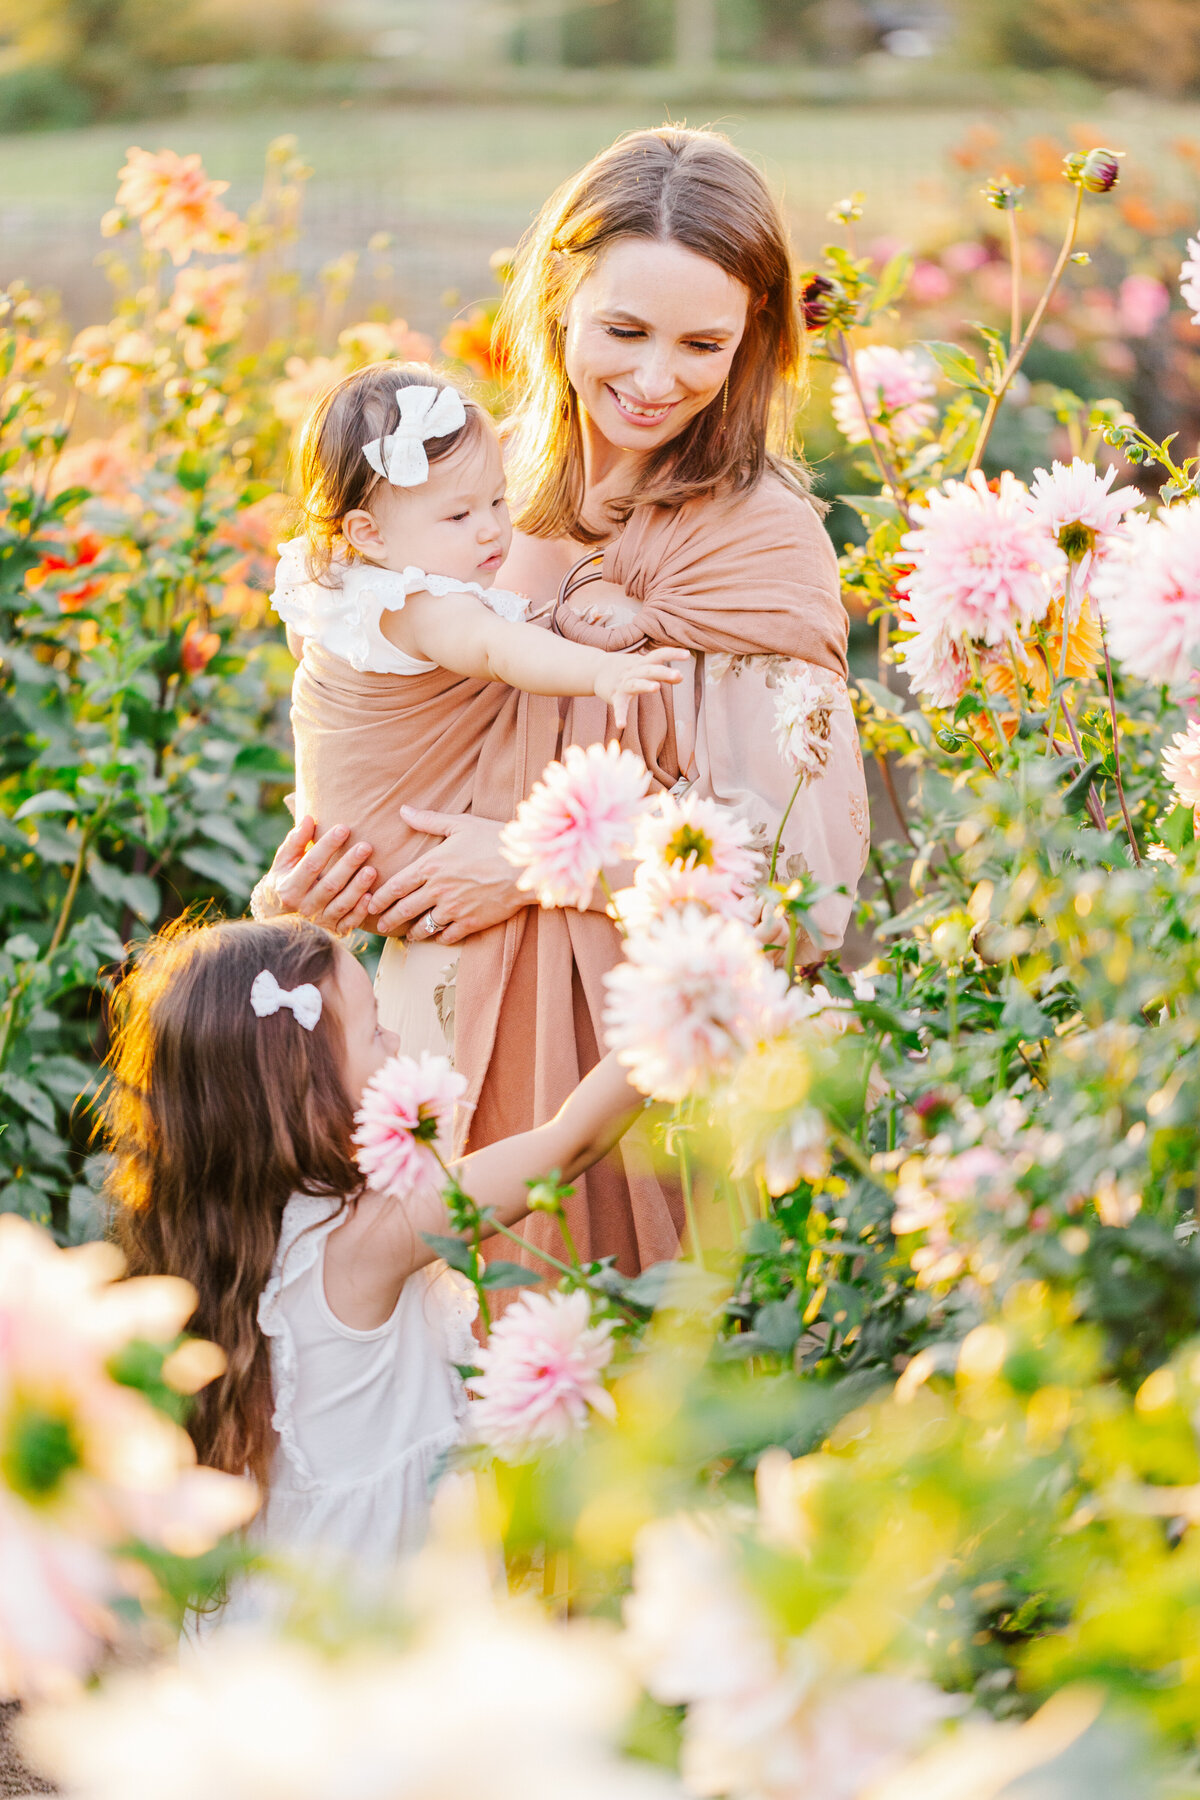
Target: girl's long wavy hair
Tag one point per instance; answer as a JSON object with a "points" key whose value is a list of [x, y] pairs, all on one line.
{"points": [[676, 186], [214, 1118]]}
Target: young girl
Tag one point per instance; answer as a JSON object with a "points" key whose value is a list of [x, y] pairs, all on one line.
{"points": [[241, 1054], [405, 526]]}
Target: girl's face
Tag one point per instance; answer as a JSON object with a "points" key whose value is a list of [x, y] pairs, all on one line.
{"points": [[367, 1044], [456, 523], [650, 337]]}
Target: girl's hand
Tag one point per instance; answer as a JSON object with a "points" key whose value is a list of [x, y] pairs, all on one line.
{"points": [[464, 882], [320, 880], [625, 675]]}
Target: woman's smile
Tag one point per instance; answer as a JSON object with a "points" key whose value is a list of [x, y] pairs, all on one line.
{"points": [[640, 412]]}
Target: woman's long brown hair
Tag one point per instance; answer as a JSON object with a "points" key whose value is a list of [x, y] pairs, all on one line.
{"points": [[215, 1117], [672, 186]]}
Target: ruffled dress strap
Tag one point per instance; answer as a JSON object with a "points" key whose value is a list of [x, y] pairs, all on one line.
{"points": [[308, 1220]]}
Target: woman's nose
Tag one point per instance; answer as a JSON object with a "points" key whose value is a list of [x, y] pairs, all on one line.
{"points": [[391, 1042], [655, 377]]}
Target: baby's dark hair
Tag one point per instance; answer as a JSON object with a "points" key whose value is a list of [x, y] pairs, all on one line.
{"points": [[335, 476]]}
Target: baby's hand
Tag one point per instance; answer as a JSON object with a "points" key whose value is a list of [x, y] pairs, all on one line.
{"points": [[625, 675]]}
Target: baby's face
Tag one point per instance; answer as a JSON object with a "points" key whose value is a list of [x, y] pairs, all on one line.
{"points": [[456, 523]]}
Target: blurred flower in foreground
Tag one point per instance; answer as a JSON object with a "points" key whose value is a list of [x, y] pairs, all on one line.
{"points": [[108, 467], [582, 815], [176, 205], [1144, 302], [207, 307], [690, 849], [540, 1374], [87, 1464], [1181, 764], [691, 994], [1149, 594], [765, 1721], [484, 1701], [896, 389], [405, 1122], [1189, 279], [803, 721]]}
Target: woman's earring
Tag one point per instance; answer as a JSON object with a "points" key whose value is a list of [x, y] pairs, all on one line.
{"points": [[725, 398]]}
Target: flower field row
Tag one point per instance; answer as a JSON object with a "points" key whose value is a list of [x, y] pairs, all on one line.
{"points": [[888, 1487]]}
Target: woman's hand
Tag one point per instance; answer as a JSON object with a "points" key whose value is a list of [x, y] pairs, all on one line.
{"points": [[463, 881], [320, 880]]}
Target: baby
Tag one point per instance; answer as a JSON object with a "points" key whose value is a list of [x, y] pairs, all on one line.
{"points": [[405, 527]]}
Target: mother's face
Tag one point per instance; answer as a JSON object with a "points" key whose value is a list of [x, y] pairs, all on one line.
{"points": [[650, 336]]}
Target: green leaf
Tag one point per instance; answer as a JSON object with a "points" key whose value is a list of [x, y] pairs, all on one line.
{"points": [[1178, 828], [454, 1251], [142, 897], [50, 800], [778, 1324], [872, 506], [1076, 793], [192, 472], [508, 1275], [883, 697], [33, 1100], [22, 947], [957, 366], [219, 866], [262, 759], [893, 279]]}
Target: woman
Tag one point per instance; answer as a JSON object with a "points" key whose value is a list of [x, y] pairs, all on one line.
{"points": [[656, 347]]}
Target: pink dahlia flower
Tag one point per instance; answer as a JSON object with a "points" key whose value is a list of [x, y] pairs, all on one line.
{"points": [[176, 204], [55, 1595], [982, 562], [540, 1373], [803, 720], [1076, 506], [896, 388], [690, 850], [582, 814], [693, 992], [1181, 764], [1149, 594], [936, 665], [405, 1121], [1189, 279]]}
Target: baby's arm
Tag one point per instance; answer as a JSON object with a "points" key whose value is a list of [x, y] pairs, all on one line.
{"points": [[459, 632], [369, 1258]]}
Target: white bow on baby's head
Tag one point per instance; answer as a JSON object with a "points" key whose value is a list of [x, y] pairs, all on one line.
{"points": [[266, 997], [425, 412]]}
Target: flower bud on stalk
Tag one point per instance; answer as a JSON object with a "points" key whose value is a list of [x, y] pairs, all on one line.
{"points": [[1097, 173], [820, 300], [1003, 194]]}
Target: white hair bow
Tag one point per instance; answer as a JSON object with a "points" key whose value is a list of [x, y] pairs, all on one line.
{"points": [[425, 412], [266, 997]]}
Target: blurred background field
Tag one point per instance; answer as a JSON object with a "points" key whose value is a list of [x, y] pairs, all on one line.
{"points": [[452, 180]]}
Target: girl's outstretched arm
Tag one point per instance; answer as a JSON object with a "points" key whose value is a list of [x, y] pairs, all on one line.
{"points": [[369, 1258]]}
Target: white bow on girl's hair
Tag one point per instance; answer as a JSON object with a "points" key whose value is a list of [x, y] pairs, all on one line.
{"points": [[425, 412], [266, 997]]}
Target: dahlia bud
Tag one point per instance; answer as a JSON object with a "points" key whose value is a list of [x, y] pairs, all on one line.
{"points": [[820, 297], [1003, 194], [1097, 173]]}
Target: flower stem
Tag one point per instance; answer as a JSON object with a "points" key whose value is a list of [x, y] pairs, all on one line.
{"points": [[993, 720], [1031, 330], [685, 1182], [1014, 252], [887, 474], [1112, 713], [1068, 596], [803, 777]]}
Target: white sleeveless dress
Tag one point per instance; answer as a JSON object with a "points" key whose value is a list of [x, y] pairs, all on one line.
{"points": [[364, 1419]]}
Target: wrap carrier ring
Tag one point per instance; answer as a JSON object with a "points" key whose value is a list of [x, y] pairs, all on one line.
{"points": [[430, 925]]}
